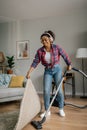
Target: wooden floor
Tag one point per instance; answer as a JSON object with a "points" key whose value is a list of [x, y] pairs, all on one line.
{"points": [[75, 119]]}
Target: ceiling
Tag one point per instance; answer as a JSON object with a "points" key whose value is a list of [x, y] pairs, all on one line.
{"points": [[11, 10]]}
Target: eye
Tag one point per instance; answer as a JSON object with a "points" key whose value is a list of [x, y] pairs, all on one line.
{"points": [[44, 39]]}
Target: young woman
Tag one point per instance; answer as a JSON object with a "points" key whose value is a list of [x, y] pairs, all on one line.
{"points": [[49, 56]]}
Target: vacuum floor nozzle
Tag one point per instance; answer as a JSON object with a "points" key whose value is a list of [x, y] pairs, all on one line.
{"points": [[37, 124]]}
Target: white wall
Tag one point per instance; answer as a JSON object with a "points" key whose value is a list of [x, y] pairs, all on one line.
{"points": [[71, 33]]}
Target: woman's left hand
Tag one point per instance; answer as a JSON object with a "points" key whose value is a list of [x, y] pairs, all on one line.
{"points": [[69, 67]]}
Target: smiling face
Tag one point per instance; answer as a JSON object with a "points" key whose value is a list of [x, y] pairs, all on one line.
{"points": [[46, 41]]}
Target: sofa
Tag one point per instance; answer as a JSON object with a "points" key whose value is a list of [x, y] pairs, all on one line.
{"points": [[11, 87]]}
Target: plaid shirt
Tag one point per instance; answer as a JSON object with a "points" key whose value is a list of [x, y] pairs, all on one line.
{"points": [[56, 52]]}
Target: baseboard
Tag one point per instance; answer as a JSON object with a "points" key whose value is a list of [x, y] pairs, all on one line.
{"points": [[67, 94]]}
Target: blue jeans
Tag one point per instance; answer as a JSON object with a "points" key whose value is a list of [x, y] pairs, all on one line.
{"points": [[50, 74]]}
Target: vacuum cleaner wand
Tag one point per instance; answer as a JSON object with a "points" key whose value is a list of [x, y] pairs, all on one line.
{"points": [[38, 124]]}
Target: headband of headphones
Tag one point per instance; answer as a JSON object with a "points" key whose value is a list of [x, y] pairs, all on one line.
{"points": [[51, 38]]}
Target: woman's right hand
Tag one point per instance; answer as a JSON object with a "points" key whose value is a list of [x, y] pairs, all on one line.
{"points": [[29, 71], [28, 75]]}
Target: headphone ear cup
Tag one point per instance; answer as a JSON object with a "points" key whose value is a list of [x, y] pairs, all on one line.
{"points": [[51, 39]]}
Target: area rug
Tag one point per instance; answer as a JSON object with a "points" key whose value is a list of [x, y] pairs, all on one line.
{"points": [[8, 120], [30, 106]]}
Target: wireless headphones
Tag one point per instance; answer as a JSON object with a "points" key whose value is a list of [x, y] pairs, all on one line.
{"points": [[51, 38]]}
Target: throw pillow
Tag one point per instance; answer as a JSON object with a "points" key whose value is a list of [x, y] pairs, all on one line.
{"points": [[4, 80], [16, 81]]}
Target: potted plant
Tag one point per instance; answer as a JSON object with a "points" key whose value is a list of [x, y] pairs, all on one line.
{"points": [[10, 61]]}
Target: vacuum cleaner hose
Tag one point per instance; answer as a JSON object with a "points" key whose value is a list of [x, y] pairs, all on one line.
{"points": [[80, 71], [74, 105]]}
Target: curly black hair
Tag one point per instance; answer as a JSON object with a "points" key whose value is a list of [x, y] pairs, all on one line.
{"points": [[48, 33]]}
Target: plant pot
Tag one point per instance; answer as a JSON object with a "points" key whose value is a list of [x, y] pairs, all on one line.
{"points": [[9, 71]]}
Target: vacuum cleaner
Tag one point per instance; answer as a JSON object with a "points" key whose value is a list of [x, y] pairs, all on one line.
{"points": [[38, 124]]}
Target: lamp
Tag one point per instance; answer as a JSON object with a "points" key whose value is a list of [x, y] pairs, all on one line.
{"points": [[82, 53]]}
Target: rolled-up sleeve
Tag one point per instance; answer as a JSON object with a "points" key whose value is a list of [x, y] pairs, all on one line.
{"points": [[65, 56], [36, 60]]}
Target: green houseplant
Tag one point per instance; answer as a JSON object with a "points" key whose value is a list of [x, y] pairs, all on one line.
{"points": [[10, 62]]}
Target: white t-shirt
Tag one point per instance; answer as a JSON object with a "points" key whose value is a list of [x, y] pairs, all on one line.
{"points": [[48, 57]]}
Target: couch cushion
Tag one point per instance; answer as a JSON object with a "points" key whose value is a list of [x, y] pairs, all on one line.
{"points": [[16, 81], [4, 80], [11, 92]]}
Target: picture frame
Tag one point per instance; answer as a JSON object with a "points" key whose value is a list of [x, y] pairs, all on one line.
{"points": [[22, 49]]}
